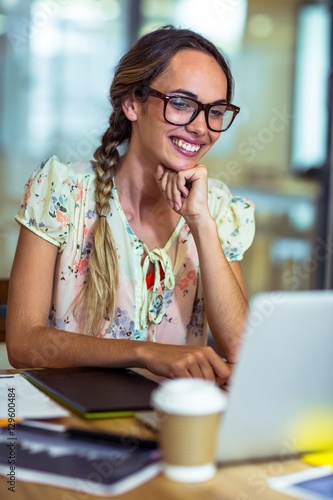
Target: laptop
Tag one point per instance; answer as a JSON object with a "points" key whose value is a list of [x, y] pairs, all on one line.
{"points": [[281, 394]]}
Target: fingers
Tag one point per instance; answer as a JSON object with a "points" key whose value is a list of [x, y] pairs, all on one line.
{"points": [[175, 191], [186, 191], [193, 364], [172, 185], [186, 361], [221, 371], [159, 172], [212, 367]]}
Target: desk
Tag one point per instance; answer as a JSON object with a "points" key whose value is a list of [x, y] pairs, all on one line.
{"points": [[236, 482]]}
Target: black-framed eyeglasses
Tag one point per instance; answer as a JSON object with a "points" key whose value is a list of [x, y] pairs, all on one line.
{"points": [[182, 110]]}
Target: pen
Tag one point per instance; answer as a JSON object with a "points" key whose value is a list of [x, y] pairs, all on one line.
{"points": [[4, 422], [83, 434]]}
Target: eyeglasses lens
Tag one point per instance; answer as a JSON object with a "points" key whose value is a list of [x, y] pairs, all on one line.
{"points": [[180, 110]]}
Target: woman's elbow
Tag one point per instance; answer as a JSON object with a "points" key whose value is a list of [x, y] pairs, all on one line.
{"points": [[15, 356], [18, 350]]}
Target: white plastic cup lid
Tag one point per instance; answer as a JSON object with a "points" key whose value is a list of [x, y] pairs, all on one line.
{"points": [[188, 396]]}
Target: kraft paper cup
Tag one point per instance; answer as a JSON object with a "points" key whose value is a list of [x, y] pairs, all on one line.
{"points": [[189, 412]]}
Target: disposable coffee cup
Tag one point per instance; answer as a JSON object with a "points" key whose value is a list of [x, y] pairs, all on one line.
{"points": [[188, 414]]}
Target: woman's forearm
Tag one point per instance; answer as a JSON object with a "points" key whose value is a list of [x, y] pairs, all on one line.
{"points": [[225, 298], [48, 347]]}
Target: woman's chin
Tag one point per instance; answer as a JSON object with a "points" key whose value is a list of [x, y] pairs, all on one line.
{"points": [[179, 166]]}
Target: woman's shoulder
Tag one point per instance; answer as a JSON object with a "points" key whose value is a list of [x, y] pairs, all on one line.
{"points": [[234, 216], [218, 193], [54, 197], [55, 183], [65, 171], [225, 205]]}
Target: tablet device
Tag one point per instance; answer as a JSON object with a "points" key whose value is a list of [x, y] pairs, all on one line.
{"points": [[95, 392]]}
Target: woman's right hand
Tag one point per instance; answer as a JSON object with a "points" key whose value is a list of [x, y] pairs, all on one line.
{"points": [[183, 361]]}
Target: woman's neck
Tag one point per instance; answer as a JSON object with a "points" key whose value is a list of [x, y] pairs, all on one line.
{"points": [[136, 183], [147, 211]]}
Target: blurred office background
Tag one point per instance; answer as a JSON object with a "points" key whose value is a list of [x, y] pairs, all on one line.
{"points": [[57, 58]]}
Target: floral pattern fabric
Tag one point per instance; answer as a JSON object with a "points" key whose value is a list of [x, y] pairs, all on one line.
{"points": [[58, 205]]}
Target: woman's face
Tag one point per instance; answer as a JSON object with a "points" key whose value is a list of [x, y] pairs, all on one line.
{"points": [[179, 147]]}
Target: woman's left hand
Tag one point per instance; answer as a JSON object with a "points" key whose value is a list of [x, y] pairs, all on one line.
{"points": [[185, 191]]}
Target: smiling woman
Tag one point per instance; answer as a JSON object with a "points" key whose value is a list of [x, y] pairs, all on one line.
{"points": [[193, 138], [143, 246]]}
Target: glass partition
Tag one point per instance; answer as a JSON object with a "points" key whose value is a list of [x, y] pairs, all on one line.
{"points": [[56, 62]]}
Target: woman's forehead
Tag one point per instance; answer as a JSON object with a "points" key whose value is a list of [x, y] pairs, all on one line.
{"points": [[195, 71]]}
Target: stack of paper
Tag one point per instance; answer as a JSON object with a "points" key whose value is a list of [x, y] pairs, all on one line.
{"points": [[20, 399]]}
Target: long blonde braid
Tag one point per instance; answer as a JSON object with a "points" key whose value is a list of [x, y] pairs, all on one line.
{"points": [[98, 296]]}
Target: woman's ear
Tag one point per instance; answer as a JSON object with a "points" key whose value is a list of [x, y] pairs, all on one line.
{"points": [[130, 108]]}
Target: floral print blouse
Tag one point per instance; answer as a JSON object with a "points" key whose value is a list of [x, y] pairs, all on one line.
{"points": [[58, 205]]}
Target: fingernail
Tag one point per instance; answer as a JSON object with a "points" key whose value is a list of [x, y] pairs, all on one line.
{"points": [[171, 203]]}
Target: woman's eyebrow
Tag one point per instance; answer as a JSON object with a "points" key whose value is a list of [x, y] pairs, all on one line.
{"points": [[183, 91], [194, 96]]}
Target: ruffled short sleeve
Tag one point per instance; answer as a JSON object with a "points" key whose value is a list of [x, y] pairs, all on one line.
{"points": [[234, 216], [46, 202]]}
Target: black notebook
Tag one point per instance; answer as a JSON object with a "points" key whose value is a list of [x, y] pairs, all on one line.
{"points": [[95, 392], [95, 463]]}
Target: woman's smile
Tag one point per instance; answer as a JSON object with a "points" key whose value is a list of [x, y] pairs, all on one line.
{"points": [[187, 147]]}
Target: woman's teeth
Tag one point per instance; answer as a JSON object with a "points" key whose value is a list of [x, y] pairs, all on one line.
{"points": [[186, 145]]}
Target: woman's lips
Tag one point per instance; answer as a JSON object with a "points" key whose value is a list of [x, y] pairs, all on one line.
{"points": [[187, 148]]}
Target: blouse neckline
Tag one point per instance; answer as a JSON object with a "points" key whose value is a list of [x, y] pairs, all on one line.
{"points": [[153, 304], [174, 235]]}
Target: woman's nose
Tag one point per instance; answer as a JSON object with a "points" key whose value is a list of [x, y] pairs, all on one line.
{"points": [[199, 125]]}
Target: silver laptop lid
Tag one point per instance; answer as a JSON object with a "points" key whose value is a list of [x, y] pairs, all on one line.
{"points": [[281, 398]]}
